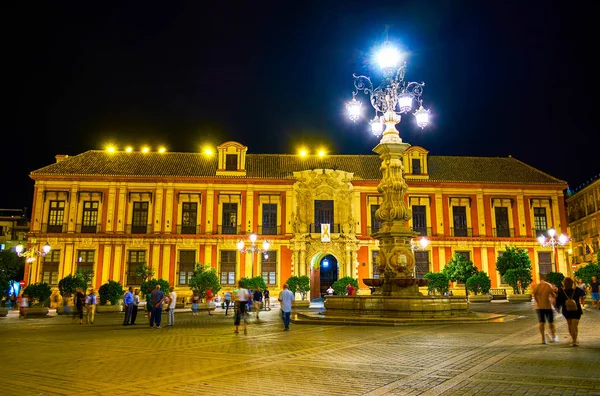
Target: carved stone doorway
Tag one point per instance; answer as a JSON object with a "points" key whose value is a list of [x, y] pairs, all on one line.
{"points": [[324, 270]]}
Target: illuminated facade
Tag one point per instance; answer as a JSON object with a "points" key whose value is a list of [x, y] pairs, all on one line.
{"points": [[583, 209], [110, 211]]}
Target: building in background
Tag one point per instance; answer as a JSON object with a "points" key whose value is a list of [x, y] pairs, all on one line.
{"points": [[14, 226], [583, 212], [111, 211]]}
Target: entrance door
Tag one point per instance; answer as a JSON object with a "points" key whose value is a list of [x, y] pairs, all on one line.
{"points": [[328, 273]]}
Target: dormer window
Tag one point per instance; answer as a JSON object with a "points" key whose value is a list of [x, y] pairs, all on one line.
{"points": [[416, 166], [231, 162]]}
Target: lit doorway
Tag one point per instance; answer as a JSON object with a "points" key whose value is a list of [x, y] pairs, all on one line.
{"points": [[328, 273]]}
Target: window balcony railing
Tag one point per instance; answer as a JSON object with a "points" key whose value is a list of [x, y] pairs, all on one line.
{"points": [[461, 232], [316, 228], [503, 232], [269, 230], [88, 229], [188, 229], [423, 231], [229, 230], [54, 228], [138, 229]]}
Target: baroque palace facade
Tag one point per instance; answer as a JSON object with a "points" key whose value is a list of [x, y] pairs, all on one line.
{"points": [[583, 211], [111, 211]]}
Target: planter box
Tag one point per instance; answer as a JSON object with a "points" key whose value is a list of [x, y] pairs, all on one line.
{"points": [[3, 312], [108, 308], [300, 304], [38, 311], [481, 298], [518, 298]]}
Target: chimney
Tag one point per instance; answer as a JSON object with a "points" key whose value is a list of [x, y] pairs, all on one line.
{"points": [[60, 157]]}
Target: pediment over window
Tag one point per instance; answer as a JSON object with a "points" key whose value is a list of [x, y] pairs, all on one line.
{"points": [[232, 159], [415, 163]]}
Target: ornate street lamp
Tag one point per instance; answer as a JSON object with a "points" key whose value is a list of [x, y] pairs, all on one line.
{"points": [[421, 245], [553, 242], [253, 248], [31, 253], [393, 97]]}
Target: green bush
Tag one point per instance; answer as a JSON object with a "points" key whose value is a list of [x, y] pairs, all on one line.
{"points": [[204, 278], [586, 272], [253, 283], [40, 292], [149, 285], [519, 279], [555, 278], [513, 258], [438, 282], [339, 286], [111, 291], [479, 283], [12, 268], [68, 285], [460, 269], [299, 284]]}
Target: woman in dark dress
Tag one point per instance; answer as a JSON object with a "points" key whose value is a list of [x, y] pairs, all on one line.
{"points": [[569, 291], [79, 303]]}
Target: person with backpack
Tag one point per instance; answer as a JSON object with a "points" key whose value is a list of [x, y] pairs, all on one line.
{"points": [[568, 298]]}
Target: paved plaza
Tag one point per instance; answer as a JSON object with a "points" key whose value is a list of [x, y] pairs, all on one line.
{"points": [[201, 355]]}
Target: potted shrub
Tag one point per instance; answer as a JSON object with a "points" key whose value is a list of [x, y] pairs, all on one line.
{"points": [[110, 295], [301, 285], [203, 279], [479, 285], [339, 286], [67, 287], [39, 298], [438, 283], [515, 266]]}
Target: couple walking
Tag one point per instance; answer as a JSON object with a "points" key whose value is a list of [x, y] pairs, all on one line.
{"points": [[241, 306]]}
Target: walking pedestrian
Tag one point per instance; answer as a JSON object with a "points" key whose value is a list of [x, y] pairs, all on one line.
{"points": [[195, 302], [23, 306], [543, 292], [128, 302], [90, 306], [149, 305], [67, 304], [172, 304], [156, 299], [285, 299], [136, 302], [227, 302], [595, 294], [257, 297], [267, 299], [79, 303], [581, 284], [241, 304], [567, 298], [209, 300]]}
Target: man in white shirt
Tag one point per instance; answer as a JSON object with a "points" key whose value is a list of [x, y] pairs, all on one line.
{"points": [[172, 304], [285, 298], [90, 304]]}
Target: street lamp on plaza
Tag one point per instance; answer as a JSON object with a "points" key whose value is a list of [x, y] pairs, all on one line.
{"points": [[31, 254], [421, 245], [553, 242], [254, 248]]}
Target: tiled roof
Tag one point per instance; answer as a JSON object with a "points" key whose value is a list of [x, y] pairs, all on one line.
{"points": [[282, 166]]}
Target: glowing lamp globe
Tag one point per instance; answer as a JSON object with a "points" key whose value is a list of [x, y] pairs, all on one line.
{"points": [[424, 242], [253, 238], [376, 126], [354, 109], [563, 239], [266, 245], [541, 240], [46, 248], [405, 102], [552, 232], [388, 58], [240, 245], [422, 117], [19, 249]]}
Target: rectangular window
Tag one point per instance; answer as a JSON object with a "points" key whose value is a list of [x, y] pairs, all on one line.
{"points": [[539, 221], [135, 258], [459, 217], [85, 260], [375, 225], [323, 213], [229, 218], [228, 262], [50, 267], [139, 223], [419, 216], [502, 224], [56, 216], [416, 166], [269, 219], [374, 264], [189, 215], [268, 267], [89, 220], [187, 264], [545, 262], [421, 263], [231, 162]]}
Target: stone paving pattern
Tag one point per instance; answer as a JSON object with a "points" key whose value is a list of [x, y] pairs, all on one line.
{"points": [[201, 355]]}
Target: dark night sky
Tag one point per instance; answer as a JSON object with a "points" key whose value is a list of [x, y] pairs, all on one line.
{"points": [[502, 78]]}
